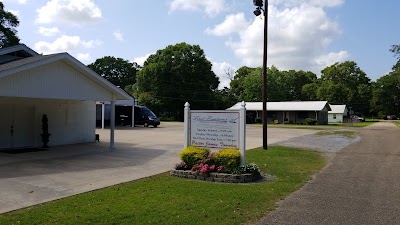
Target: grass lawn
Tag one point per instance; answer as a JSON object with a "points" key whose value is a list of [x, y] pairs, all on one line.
{"points": [[295, 126], [163, 199], [397, 123], [358, 124]]}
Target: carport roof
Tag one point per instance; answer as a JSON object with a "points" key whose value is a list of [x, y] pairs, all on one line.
{"points": [[284, 106]]}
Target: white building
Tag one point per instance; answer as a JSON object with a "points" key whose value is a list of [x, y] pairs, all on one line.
{"points": [[56, 85], [292, 112], [337, 114]]}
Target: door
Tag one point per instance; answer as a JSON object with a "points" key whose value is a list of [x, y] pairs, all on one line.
{"points": [[16, 126], [23, 125], [5, 126]]}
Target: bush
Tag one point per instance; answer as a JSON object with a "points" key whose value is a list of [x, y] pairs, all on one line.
{"points": [[192, 155], [229, 158], [249, 168], [258, 120], [310, 121]]}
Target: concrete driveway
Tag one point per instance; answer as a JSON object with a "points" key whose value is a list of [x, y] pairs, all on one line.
{"points": [[30, 178]]}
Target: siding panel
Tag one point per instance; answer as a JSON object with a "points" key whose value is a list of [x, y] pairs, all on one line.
{"points": [[55, 80]]}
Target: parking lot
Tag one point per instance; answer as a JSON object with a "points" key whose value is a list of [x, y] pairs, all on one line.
{"points": [[34, 177]]}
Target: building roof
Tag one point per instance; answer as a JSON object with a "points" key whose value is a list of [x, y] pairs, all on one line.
{"points": [[284, 106], [36, 60], [20, 49], [338, 109]]}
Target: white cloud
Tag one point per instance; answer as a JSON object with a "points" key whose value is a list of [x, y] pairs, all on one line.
{"points": [[48, 31], [140, 60], [298, 38], [118, 36], [84, 57], [65, 44], [331, 58], [15, 12], [210, 7], [18, 1], [74, 12], [221, 70], [232, 24], [317, 3]]}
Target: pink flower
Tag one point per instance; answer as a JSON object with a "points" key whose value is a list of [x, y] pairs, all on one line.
{"points": [[220, 168], [204, 169], [212, 168]]}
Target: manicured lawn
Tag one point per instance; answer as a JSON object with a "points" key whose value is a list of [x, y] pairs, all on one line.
{"points": [[163, 199], [358, 124], [295, 126], [362, 124]]}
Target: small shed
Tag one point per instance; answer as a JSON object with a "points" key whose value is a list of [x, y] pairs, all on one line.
{"points": [[57, 85], [337, 113], [291, 111]]}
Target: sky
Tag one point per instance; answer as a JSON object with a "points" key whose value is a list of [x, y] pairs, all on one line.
{"points": [[302, 34]]}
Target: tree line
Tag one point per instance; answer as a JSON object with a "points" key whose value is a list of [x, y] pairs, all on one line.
{"points": [[181, 73]]}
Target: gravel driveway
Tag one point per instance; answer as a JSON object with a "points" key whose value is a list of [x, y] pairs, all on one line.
{"points": [[320, 143]]}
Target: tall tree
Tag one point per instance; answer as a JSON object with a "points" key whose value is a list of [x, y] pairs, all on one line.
{"points": [[386, 94], [177, 74], [118, 71], [8, 23], [281, 85], [395, 49], [386, 90], [346, 83]]}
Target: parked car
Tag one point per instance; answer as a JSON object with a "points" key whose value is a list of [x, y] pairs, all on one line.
{"points": [[144, 116], [355, 117]]}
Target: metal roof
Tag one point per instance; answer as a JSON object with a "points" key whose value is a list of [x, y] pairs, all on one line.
{"points": [[284, 106], [338, 109]]}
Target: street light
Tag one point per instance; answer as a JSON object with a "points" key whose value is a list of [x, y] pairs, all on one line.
{"points": [[259, 4]]}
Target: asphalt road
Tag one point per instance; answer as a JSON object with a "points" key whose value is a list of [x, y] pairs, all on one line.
{"points": [[361, 185]]}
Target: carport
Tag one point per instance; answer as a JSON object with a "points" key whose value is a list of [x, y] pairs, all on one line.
{"points": [[56, 85]]}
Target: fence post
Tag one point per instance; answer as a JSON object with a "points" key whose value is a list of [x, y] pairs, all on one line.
{"points": [[186, 120]]}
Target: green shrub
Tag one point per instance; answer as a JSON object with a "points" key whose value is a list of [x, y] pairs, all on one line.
{"points": [[249, 168], [228, 158], [258, 120], [310, 121], [276, 121], [192, 155]]}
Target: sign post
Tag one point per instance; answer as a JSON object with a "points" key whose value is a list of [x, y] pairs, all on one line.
{"points": [[216, 129]]}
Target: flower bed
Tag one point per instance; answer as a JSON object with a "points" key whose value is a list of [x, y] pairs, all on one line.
{"points": [[217, 177]]}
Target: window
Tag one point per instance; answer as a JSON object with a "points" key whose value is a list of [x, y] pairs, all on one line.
{"points": [[334, 116]]}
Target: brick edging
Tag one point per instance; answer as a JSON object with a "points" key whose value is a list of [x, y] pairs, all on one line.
{"points": [[216, 177]]}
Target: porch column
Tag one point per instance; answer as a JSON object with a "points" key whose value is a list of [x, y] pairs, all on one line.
{"points": [[112, 124], [102, 115], [133, 115]]}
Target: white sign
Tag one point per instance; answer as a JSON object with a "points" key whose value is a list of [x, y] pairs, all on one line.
{"points": [[215, 129]]}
